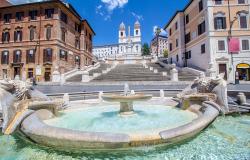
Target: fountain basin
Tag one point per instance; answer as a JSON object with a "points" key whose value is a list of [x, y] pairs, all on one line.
{"points": [[126, 101], [38, 128]]}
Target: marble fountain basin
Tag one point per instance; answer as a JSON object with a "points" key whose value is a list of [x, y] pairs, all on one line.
{"points": [[100, 127]]}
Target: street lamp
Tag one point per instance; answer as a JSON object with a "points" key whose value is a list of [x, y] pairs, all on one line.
{"points": [[229, 38]]}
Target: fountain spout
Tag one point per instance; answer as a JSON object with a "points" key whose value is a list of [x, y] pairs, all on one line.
{"points": [[126, 89]]}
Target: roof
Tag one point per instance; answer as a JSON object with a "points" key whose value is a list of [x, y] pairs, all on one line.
{"points": [[66, 5], [179, 11], [85, 20], [159, 36]]}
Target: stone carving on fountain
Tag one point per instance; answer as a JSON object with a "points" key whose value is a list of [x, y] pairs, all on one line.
{"points": [[208, 90], [18, 99]]}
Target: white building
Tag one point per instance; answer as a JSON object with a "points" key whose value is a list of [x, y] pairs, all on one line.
{"points": [[128, 45]]}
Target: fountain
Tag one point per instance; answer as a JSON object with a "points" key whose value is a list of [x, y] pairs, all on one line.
{"points": [[126, 100], [97, 125]]}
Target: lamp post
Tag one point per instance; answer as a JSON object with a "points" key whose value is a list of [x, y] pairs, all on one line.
{"points": [[229, 38]]}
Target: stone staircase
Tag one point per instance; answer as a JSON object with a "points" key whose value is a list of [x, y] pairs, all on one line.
{"points": [[131, 72], [78, 78], [182, 75]]}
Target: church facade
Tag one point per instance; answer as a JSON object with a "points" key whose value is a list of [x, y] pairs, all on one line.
{"points": [[128, 46]]}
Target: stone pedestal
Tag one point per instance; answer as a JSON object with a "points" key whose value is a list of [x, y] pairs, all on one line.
{"points": [[164, 74], [155, 71], [241, 98], [56, 76], [100, 96], [126, 108], [174, 75], [66, 99], [162, 94], [85, 76], [151, 68]]}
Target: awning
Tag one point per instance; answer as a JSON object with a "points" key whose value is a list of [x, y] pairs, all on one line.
{"points": [[243, 65]]}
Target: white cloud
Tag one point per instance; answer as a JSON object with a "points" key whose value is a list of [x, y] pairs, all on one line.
{"points": [[106, 8], [113, 4], [137, 16], [163, 32]]}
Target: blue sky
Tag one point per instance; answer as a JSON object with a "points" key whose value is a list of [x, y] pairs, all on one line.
{"points": [[105, 16]]}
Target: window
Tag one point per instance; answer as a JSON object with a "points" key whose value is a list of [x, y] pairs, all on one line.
{"points": [[177, 58], [176, 25], [63, 35], [32, 34], [241, 2], [19, 16], [201, 28], [18, 36], [170, 47], [63, 55], [188, 55], [7, 18], [47, 55], [77, 42], [245, 45], [170, 31], [78, 27], [30, 56], [243, 21], [221, 45], [176, 42], [5, 57], [200, 5], [136, 32], [187, 19], [49, 13], [220, 23], [218, 2], [17, 57], [77, 60], [187, 38], [33, 14], [30, 73], [137, 48], [48, 33], [64, 17], [5, 37], [203, 48]]}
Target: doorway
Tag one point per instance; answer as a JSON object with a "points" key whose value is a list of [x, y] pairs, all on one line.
{"points": [[47, 74], [17, 71], [223, 69]]}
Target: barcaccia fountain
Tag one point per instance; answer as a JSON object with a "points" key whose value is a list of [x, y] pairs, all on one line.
{"points": [[97, 126]]}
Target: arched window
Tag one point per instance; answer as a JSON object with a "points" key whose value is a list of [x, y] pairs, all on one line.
{"points": [[48, 32], [220, 21], [32, 33], [47, 55], [30, 56], [17, 57], [5, 57], [243, 19]]}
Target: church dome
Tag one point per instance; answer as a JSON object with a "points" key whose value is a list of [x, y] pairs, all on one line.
{"points": [[137, 24], [122, 26]]}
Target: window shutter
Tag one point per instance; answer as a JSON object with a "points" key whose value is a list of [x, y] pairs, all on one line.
{"points": [[3, 37], [21, 35], [44, 55], [215, 23], [224, 23], [15, 36], [2, 57], [8, 58]]}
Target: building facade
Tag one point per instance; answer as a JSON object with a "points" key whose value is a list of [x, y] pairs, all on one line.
{"points": [[158, 45], [203, 34], [49, 36], [128, 45]]}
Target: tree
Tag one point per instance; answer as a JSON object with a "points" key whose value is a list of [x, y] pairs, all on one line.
{"points": [[165, 53], [145, 49]]}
